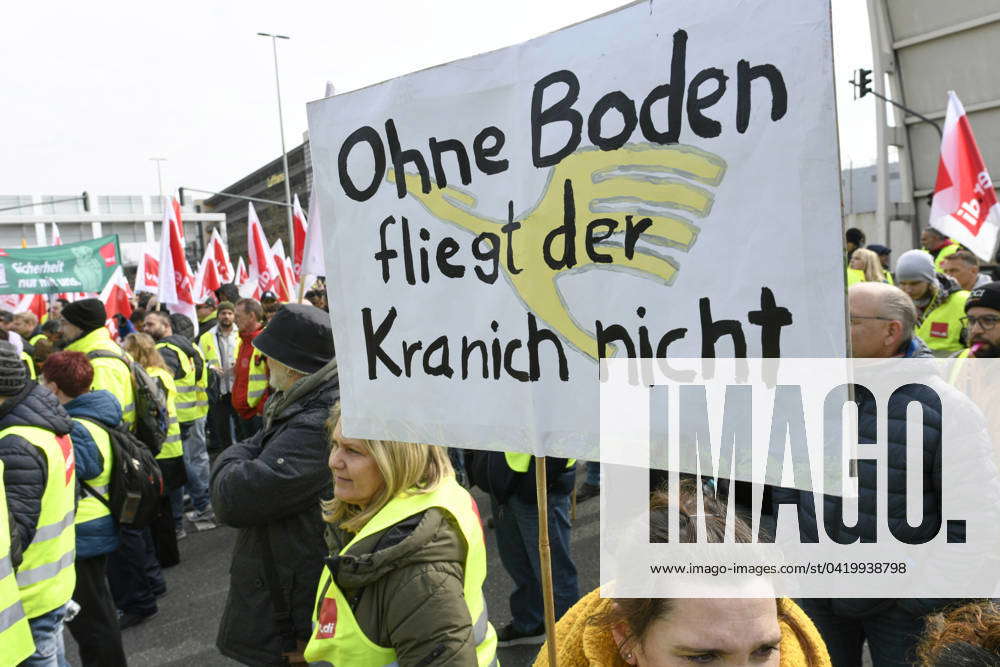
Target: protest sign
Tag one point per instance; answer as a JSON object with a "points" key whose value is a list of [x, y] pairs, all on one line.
{"points": [[651, 182], [73, 267]]}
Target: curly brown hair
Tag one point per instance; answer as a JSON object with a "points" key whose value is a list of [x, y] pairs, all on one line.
{"points": [[976, 623]]}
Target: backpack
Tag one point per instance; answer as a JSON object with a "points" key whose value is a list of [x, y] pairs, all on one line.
{"points": [[151, 418], [137, 487]]}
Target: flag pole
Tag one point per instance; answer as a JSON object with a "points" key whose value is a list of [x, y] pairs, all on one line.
{"points": [[545, 557]]}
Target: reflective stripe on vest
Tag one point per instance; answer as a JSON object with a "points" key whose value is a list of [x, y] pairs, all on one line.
{"points": [[188, 391], [941, 328], [521, 462], [16, 643], [172, 446], [91, 508], [46, 576], [338, 639]]}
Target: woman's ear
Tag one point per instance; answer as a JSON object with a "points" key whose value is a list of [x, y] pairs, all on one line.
{"points": [[624, 641]]}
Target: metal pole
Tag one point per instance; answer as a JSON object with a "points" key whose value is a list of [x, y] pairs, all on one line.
{"points": [[281, 127], [159, 175]]}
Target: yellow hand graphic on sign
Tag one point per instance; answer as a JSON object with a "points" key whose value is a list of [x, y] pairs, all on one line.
{"points": [[640, 186]]}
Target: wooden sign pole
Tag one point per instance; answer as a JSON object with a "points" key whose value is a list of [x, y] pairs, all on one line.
{"points": [[545, 557]]}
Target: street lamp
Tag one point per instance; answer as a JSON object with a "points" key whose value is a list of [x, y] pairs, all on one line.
{"points": [[159, 175], [281, 127]]}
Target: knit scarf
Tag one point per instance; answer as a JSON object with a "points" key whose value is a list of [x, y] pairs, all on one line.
{"points": [[277, 403]]}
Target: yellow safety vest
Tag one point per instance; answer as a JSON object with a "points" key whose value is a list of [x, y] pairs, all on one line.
{"points": [[956, 366], [91, 508], [257, 382], [46, 576], [34, 339], [521, 462], [192, 397], [941, 328], [209, 350], [945, 253], [16, 643], [110, 374], [338, 639], [855, 276], [172, 446], [30, 363], [888, 276]]}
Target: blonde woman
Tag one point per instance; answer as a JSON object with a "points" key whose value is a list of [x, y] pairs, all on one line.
{"points": [[403, 582], [867, 261], [142, 348]]}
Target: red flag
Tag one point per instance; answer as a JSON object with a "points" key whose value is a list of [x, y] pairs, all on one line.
{"points": [[242, 275], [299, 228], [262, 266], [176, 283], [220, 255], [147, 274], [208, 279], [56, 238], [116, 295], [285, 284], [34, 303], [965, 203]]}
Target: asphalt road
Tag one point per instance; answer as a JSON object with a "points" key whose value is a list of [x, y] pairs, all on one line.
{"points": [[183, 632]]}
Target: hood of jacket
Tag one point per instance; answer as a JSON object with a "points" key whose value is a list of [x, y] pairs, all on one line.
{"points": [[428, 537], [583, 644], [98, 405], [179, 341], [35, 406]]}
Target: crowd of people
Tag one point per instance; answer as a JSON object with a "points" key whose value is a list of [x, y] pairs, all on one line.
{"points": [[366, 552]]}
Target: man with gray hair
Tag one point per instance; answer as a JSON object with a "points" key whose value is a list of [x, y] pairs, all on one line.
{"points": [[882, 319], [882, 322]]}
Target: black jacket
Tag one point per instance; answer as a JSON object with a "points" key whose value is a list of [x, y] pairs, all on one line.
{"points": [[867, 521], [25, 470], [269, 487], [490, 472], [170, 357]]}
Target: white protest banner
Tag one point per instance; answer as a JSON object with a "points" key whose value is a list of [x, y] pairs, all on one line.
{"points": [[661, 180]]}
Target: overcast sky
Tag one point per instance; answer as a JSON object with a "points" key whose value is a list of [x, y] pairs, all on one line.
{"points": [[93, 90]]}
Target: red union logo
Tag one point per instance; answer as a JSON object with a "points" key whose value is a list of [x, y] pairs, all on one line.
{"points": [[326, 625]]}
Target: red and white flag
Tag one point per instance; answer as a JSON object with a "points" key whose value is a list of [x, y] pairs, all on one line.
{"points": [[220, 256], [285, 284], [207, 280], [300, 227], [176, 283], [312, 256], [242, 275], [262, 268], [147, 274], [34, 303], [56, 238], [116, 295], [965, 203]]}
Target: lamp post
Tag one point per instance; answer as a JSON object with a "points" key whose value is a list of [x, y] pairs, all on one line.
{"points": [[159, 175], [281, 127]]}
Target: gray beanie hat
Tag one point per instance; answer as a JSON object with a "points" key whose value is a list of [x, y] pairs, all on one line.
{"points": [[13, 374], [915, 265]]}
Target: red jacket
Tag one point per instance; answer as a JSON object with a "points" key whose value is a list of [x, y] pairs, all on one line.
{"points": [[241, 377]]}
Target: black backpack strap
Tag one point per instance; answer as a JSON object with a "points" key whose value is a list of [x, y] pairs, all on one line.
{"points": [[282, 613], [93, 492]]}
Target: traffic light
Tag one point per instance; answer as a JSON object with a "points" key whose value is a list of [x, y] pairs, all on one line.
{"points": [[864, 83], [86, 201]]}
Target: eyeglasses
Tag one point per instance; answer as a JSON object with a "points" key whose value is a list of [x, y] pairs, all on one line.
{"points": [[986, 322]]}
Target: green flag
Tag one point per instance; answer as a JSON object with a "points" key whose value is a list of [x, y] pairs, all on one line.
{"points": [[74, 267]]}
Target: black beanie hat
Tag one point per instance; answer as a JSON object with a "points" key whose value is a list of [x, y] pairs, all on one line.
{"points": [[88, 314], [298, 336], [987, 296], [13, 374]]}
